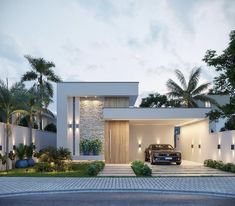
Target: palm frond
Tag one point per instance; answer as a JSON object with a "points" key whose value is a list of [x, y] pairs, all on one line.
{"points": [[193, 79], [181, 78], [174, 88], [51, 76], [201, 88], [29, 76]]}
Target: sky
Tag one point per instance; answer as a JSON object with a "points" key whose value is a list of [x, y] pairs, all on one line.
{"points": [[119, 40]]}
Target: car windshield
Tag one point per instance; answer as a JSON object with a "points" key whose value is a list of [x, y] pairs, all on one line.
{"points": [[162, 147]]}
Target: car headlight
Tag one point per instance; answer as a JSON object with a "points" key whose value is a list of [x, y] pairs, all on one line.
{"points": [[178, 154]]}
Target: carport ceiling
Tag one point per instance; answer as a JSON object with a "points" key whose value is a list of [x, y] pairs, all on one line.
{"points": [[173, 122]]}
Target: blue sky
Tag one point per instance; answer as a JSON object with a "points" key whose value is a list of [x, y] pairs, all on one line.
{"points": [[121, 40]]}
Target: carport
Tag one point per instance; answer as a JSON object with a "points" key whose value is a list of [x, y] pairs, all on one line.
{"points": [[128, 131]]}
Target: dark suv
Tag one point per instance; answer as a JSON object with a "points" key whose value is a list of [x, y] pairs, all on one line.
{"points": [[157, 153]]}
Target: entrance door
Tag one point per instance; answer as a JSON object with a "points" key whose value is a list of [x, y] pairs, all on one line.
{"points": [[117, 142]]}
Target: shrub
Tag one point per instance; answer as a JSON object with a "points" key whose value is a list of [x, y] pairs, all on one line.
{"points": [[85, 146], [43, 167], [64, 154], [140, 168], [94, 168], [95, 146], [229, 167], [29, 150], [20, 151], [50, 128]]}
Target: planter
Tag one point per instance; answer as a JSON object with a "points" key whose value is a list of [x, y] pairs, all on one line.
{"points": [[86, 152], [21, 164], [30, 162]]}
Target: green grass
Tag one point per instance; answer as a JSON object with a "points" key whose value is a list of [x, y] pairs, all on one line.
{"points": [[79, 170]]}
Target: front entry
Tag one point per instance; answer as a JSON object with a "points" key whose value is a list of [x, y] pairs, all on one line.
{"points": [[117, 142]]}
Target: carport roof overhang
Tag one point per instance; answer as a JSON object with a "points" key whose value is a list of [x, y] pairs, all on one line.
{"points": [[156, 116]]}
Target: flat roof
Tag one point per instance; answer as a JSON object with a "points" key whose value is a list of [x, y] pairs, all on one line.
{"points": [[153, 115], [103, 89]]}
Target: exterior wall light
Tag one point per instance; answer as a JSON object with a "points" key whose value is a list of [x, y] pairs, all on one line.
{"points": [[70, 126], [139, 146], [0, 147], [14, 147], [192, 146], [218, 146], [232, 146], [77, 126], [199, 146]]}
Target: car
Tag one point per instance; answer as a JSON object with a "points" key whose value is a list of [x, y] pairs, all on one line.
{"points": [[162, 153]]}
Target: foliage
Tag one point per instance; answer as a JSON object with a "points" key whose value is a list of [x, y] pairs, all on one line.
{"points": [[29, 150], [50, 128], [24, 122], [188, 93], [228, 167], [140, 168], [20, 151], [43, 167], [96, 145], [224, 64], [3, 158], [85, 145], [56, 157], [11, 102], [158, 100], [11, 156], [230, 124], [94, 168], [43, 74]]}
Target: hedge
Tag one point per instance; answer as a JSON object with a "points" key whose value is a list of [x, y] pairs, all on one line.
{"points": [[228, 167]]}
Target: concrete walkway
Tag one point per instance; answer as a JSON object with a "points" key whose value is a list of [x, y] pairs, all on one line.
{"points": [[187, 168], [223, 186], [114, 170]]}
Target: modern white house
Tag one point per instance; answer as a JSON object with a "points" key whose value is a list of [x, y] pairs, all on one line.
{"points": [[106, 110]]}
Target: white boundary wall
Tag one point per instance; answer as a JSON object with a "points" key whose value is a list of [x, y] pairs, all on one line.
{"points": [[198, 134], [20, 134]]}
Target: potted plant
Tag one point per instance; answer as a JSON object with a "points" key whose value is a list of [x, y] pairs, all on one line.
{"points": [[20, 152], [84, 146], [96, 146], [29, 154], [3, 159]]}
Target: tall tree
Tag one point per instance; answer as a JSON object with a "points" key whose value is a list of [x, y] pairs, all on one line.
{"points": [[158, 100], [188, 93], [11, 102], [43, 74], [224, 64]]}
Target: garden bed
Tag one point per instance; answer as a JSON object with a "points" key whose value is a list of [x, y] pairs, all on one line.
{"points": [[78, 170]]}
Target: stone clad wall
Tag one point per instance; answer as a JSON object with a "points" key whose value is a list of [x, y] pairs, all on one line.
{"points": [[91, 118]]}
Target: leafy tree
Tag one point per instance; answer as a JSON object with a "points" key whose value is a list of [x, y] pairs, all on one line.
{"points": [[43, 74], [158, 100], [11, 102], [188, 93], [224, 64], [50, 127]]}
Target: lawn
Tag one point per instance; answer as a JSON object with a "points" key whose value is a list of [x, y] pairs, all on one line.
{"points": [[79, 170]]}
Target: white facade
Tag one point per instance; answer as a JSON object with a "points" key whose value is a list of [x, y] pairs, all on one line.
{"points": [[81, 113]]}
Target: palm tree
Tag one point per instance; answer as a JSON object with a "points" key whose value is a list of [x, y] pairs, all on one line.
{"points": [[188, 93], [43, 74], [32, 107], [11, 102]]}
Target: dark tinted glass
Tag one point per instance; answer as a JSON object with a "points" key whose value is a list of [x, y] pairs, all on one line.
{"points": [[162, 147]]}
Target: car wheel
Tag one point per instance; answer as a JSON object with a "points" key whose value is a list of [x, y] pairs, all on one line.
{"points": [[178, 163]]}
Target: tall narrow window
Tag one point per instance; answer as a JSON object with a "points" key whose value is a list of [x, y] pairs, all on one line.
{"points": [[207, 104]]}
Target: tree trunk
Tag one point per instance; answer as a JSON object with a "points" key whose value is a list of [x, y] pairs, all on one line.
{"points": [[7, 144], [41, 93], [30, 130]]}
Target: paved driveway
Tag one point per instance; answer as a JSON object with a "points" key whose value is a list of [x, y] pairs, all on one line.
{"points": [[187, 168]]}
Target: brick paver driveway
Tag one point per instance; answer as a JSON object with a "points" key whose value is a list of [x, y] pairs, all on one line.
{"points": [[200, 185]]}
